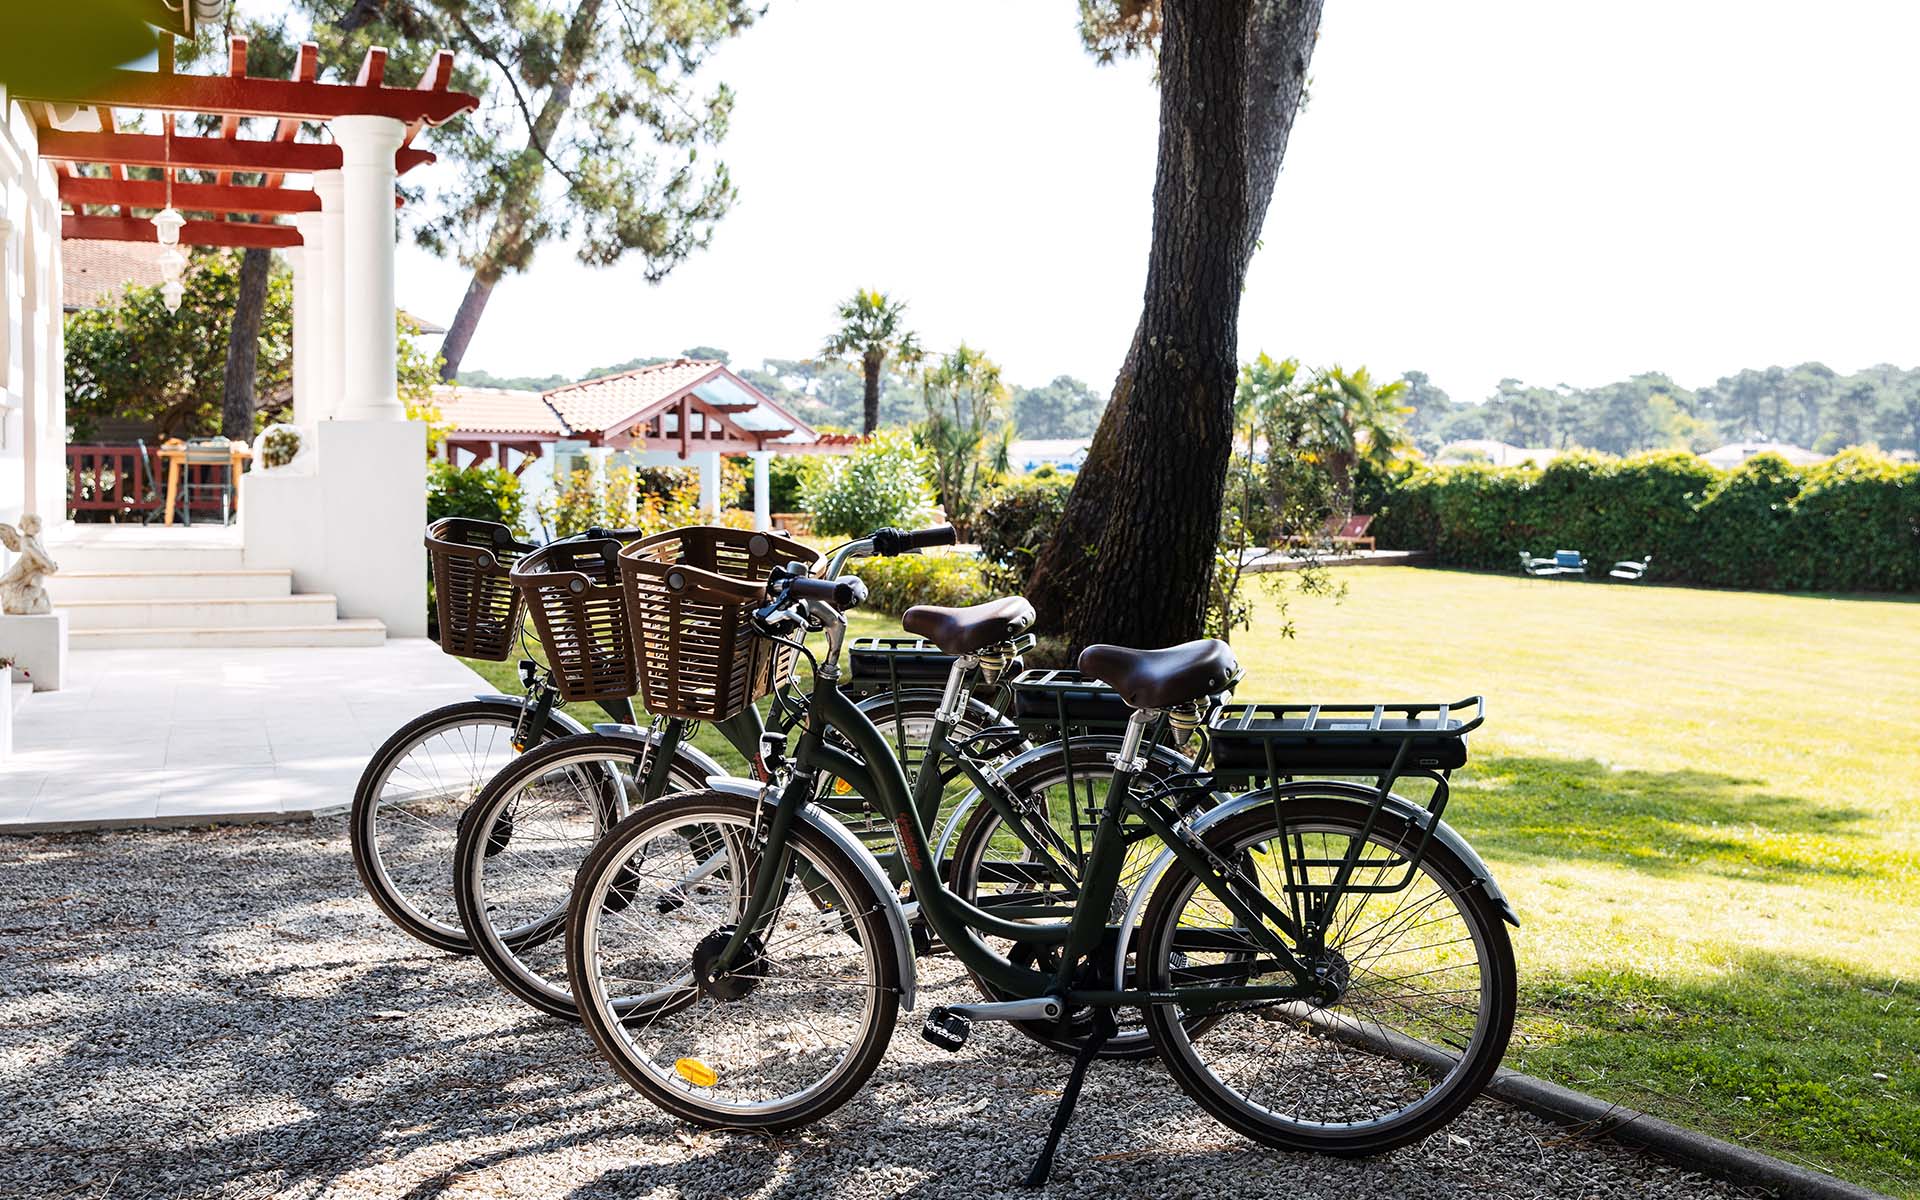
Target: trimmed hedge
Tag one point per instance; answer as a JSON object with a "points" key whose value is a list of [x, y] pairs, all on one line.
{"points": [[1849, 524], [1018, 521], [896, 584]]}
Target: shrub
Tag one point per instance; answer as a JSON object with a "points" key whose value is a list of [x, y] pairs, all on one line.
{"points": [[1019, 519], [1849, 524], [618, 499], [482, 493], [896, 584], [882, 483]]}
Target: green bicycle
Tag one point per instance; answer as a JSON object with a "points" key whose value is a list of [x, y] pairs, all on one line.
{"points": [[1323, 965]]}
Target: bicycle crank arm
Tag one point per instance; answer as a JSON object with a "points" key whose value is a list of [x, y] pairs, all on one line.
{"points": [[949, 1024]]}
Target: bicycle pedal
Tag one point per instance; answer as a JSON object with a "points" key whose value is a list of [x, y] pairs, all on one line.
{"points": [[947, 1030]]}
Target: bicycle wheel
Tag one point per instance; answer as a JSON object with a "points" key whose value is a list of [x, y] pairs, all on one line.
{"points": [[905, 720], [1424, 976], [996, 866], [407, 806], [523, 840], [793, 1030]]}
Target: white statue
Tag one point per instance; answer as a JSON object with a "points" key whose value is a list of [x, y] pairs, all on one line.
{"points": [[21, 594]]}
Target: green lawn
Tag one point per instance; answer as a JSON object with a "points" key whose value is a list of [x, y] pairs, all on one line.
{"points": [[1703, 805]]}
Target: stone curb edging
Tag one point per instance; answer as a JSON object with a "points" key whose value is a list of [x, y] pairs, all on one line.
{"points": [[1564, 1106]]}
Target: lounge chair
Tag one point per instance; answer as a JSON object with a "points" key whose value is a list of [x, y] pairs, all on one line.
{"points": [[1563, 562], [1351, 532], [1630, 571]]}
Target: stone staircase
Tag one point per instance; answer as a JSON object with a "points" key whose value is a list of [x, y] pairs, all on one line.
{"points": [[188, 590]]}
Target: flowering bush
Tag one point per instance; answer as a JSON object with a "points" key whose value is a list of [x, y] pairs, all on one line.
{"points": [[882, 483]]}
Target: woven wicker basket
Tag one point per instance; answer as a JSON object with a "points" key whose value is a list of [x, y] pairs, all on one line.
{"points": [[689, 594], [477, 606], [573, 588]]}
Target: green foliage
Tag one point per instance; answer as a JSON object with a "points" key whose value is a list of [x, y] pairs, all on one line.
{"points": [[1018, 521], [882, 483], [873, 330], [279, 445], [132, 359], [1065, 408], [896, 584], [1850, 524], [966, 432], [590, 129], [482, 493]]}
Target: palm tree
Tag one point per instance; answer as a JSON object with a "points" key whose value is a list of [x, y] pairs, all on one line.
{"points": [[965, 402], [873, 329], [1354, 418]]}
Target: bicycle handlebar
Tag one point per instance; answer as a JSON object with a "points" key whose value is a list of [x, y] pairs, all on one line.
{"points": [[889, 541], [844, 592]]}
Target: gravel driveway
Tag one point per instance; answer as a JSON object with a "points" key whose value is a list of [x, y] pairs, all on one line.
{"points": [[219, 1012]]}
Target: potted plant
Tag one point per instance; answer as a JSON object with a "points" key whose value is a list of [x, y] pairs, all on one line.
{"points": [[279, 445]]}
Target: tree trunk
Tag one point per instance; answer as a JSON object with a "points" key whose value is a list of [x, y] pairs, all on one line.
{"points": [[506, 246], [1091, 553], [453, 347], [870, 402], [243, 345]]}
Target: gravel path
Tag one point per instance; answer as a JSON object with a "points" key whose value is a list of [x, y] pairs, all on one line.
{"points": [[221, 1013]]}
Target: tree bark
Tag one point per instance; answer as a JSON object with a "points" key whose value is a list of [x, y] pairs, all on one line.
{"points": [[504, 247], [1114, 538], [870, 367], [243, 345]]}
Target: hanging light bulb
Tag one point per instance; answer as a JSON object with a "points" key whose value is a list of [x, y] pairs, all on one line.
{"points": [[172, 292], [166, 225], [172, 263]]}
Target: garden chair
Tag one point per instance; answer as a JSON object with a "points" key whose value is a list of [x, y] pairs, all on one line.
{"points": [[214, 456], [1563, 562], [1351, 532], [1630, 571]]}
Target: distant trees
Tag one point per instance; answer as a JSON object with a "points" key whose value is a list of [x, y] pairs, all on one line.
{"points": [[1065, 408], [1808, 405], [873, 329]]}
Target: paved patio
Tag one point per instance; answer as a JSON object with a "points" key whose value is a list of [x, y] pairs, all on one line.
{"points": [[182, 736]]}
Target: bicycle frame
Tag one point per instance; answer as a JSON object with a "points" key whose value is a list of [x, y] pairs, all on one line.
{"points": [[875, 771]]}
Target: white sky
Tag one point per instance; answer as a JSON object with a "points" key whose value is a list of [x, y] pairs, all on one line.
{"points": [[1557, 192]]}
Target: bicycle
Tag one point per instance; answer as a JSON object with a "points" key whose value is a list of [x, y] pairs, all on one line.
{"points": [[512, 880], [764, 996], [403, 821]]}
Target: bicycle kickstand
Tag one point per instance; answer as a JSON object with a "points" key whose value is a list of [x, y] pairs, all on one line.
{"points": [[1104, 1027]]}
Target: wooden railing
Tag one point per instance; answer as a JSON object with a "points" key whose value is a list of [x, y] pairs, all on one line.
{"points": [[108, 483]]}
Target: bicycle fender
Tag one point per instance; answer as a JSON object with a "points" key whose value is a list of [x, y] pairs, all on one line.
{"points": [[1415, 815], [556, 715], [703, 763], [869, 866], [1164, 755]]}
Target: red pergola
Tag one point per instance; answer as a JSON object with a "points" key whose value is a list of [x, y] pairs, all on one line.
{"points": [[198, 172]]}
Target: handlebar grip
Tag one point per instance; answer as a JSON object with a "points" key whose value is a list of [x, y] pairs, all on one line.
{"points": [[889, 542], [844, 592]]}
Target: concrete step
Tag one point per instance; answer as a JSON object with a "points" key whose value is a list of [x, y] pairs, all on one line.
{"points": [[69, 587], [148, 556], [22, 692], [363, 631], [200, 612]]}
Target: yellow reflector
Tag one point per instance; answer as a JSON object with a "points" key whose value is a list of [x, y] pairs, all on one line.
{"points": [[696, 1072], [841, 787]]}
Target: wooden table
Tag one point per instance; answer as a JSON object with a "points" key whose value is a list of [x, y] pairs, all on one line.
{"points": [[175, 454]]}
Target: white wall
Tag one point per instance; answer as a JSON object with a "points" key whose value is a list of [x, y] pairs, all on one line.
{"points": [[32, 378]]}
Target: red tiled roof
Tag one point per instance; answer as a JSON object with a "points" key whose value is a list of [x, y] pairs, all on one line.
{"points": [[96, 270], [593, 405], [496, 410]]}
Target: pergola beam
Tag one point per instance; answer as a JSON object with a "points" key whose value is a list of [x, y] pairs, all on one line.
{"points": [[193, 233], [225, 95], [306, 69], [204, 154], [188, 197]]}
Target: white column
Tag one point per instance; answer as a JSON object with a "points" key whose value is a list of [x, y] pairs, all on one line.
{"points": [[328, 331], [307, 299], [369, 351], [710, 484], [762, 489]]}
